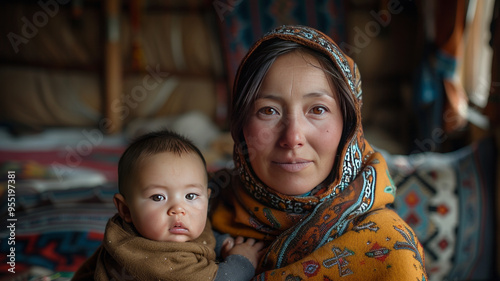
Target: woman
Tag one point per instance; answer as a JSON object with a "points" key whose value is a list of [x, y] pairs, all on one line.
{"points": [[306, 181]]}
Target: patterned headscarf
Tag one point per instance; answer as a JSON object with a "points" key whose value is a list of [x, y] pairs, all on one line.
{"points": [[340, 219], [352, 152]]}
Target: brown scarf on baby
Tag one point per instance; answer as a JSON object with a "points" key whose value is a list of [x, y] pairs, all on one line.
{"points": [[125, 255]]}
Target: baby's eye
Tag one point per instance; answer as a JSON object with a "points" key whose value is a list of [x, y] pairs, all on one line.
{"points": [[318, 110], [268, 111], [191, 196], [157, 197]]}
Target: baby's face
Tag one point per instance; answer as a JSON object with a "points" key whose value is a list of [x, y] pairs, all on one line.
{"points": [[168, 198]]}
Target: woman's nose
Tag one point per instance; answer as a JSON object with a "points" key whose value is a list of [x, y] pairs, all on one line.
{"points": [[176, 209], [292, 135]]}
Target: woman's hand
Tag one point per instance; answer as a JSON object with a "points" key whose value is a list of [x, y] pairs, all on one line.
{"points": [[249, 248]]}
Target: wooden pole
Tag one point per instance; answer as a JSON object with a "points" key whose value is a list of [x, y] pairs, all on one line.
{"points": [[113, 76]]}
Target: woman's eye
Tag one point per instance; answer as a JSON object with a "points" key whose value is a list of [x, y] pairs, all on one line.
{"points": [[268, 111], [318, 110], [191, 196], [157, 197]]}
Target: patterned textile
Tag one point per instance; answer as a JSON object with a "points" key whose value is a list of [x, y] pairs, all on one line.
{"points": [[344, 229], [61, 212], [244, 22], [448, 200], [56, 229], [60, 161]]}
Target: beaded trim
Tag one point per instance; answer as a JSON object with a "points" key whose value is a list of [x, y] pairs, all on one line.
{"points": [[318, 38]]}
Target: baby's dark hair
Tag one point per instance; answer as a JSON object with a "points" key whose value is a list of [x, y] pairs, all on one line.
{"points": [[151, 144]]}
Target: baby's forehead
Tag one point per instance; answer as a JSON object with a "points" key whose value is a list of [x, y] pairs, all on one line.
{"points": [[194, 160], [143, 164], [144, 157]]}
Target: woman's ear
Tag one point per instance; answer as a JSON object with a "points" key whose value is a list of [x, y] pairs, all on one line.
{"points": [[121, 206]]}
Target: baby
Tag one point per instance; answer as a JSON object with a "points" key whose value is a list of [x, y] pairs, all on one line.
{"points": [[161, 230]]}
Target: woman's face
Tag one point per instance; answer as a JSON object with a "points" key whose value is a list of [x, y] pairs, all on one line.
{"points": [[295, 126]]}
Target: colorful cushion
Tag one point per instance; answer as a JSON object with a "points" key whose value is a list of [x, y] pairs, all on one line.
{"points": [[448, 200]]}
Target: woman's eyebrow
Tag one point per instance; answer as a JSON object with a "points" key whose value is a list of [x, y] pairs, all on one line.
{"points": [[320, 93], [269, 96], [315, 94]]}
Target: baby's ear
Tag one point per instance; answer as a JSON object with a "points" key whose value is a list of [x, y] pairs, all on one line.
{"points": [[209, 192], [121, 206]]}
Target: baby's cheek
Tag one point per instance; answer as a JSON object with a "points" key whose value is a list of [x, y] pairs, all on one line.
{"points": [[150, 225]]}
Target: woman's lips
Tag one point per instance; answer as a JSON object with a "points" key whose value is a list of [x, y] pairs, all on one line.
{"points": [[293, 167]]}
